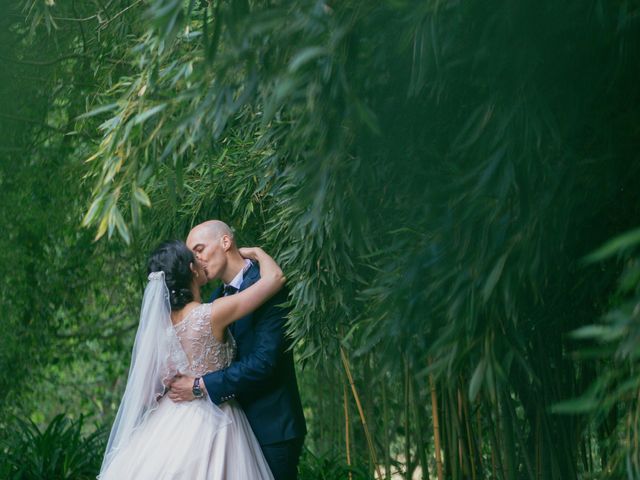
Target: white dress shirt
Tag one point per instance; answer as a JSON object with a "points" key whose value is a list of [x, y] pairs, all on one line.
{"points": [[237, 280]]}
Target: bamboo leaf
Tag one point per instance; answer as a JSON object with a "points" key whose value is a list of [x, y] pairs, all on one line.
{"points": [[141, 117], [476, 379], [98, 111], [601, 332], [93, 211], [142, 196], [616, 245], [494, 277], [102, 228], [123, 230], [578, 405], [305, 56]]}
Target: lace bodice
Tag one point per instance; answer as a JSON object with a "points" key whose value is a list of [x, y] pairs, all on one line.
{"points": [[204, 352]]}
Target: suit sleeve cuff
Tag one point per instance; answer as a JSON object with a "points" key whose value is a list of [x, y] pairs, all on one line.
{"points": [[212, 380]]}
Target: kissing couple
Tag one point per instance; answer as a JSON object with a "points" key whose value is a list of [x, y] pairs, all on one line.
{"points": [[212, 391]]}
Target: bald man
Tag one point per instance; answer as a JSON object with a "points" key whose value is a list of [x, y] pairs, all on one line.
{"points": [[262, 378]]}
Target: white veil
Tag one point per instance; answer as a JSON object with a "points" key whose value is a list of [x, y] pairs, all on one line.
{"points": [[157, 356]]}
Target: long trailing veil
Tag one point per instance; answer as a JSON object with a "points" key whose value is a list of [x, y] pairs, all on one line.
{"points": [[157, 356]]}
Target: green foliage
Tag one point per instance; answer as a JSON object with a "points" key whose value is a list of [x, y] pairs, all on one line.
{"points": [[315, 467], [60, 451], [431, 175], [616, 341]]}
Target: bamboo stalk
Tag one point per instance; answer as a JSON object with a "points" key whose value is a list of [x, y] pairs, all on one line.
{"points": [[453, 433], [356, 397], [590, 446], [336, 430], [387, 439], [506, 430], [418, 422], [538, 449], [496, 417], [470, 437], [436, 425], [464, 458], [346, 430], [407, 431], [322, 415], [521, 440], [496, 453], [493, 462], [635, 453], [459, 439], [479, 438], [367, 408]]}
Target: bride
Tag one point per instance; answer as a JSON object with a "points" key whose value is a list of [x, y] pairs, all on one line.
{"points": [[155, 438]]}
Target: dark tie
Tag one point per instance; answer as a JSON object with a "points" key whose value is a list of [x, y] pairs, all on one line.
{"points": [[229, 290]]}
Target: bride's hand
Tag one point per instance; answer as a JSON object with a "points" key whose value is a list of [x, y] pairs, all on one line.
{"points": [[252, 253]]}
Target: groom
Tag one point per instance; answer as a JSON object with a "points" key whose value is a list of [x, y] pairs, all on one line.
{"points": [[262, 378]]}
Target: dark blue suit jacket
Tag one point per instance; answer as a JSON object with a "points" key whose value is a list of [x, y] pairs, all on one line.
{"points": [[262, 378]]}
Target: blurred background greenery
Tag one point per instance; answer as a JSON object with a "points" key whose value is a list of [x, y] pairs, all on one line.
{"points": [[451, 188]]}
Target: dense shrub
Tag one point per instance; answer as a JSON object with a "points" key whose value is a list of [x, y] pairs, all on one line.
{"points": [[59, 451]]}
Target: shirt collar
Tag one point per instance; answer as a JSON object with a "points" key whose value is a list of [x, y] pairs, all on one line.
{"points": [[237, 280]]}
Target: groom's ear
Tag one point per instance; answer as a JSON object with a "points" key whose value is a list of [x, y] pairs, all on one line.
{"points": [[226, 242]]}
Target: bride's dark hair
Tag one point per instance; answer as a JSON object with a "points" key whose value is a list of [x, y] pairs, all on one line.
{"points": [[174, 259]]}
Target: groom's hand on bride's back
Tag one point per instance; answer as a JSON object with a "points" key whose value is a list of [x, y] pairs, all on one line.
{"points": [[181, 388]]}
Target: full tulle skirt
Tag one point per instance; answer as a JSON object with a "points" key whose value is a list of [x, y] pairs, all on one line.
{"points": [[188, 441]]}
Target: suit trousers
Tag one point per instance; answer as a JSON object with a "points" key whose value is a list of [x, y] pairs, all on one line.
{"points": [[283, 458]]}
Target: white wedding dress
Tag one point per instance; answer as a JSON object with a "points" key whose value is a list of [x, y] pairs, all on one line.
{"points": [[191, 440]]}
